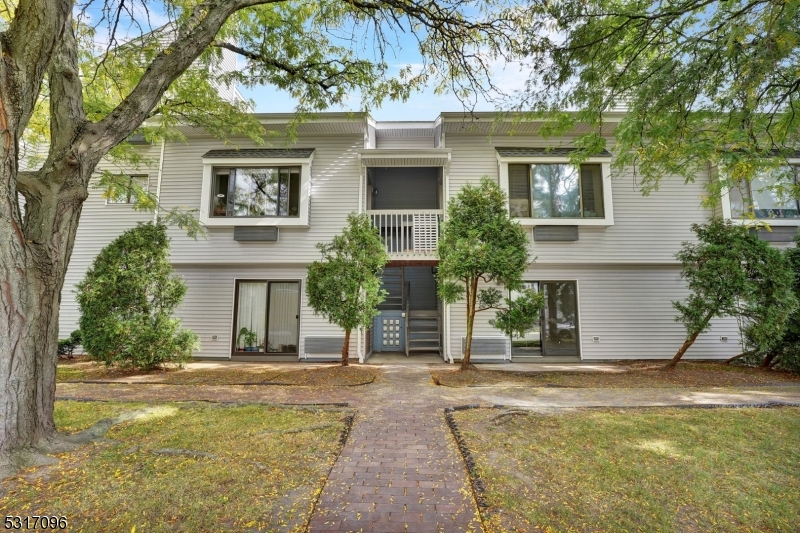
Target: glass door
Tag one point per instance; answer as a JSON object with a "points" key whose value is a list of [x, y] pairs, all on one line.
{"points": [[267, 317], [283, 320], [530, 344], [560, 318]]}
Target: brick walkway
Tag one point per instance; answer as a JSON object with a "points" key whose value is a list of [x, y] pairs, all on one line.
{"points": [[400, 470]]}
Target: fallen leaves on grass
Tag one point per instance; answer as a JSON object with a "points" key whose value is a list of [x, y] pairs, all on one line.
{"points": [[203, 468], [722, 470], [635, 375]]}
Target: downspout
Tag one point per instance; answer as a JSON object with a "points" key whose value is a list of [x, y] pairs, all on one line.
{"points": [[359, 332], [158, 183], [447, 344]]}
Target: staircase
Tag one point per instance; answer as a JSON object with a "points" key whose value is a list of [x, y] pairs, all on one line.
{"points": [[423, 331], [392, 282]]}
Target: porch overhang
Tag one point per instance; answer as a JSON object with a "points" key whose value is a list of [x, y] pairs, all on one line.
{"points": [[389, 157]]}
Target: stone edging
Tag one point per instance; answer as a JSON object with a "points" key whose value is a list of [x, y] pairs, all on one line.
{"points": [[240, 384]]}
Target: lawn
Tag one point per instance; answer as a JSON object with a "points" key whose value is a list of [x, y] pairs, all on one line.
{"points": [[185, 467], [651, 470], [332, 375], [629, 375]]}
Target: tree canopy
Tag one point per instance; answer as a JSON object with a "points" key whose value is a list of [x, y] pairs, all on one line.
{"points": [[703, 81]]}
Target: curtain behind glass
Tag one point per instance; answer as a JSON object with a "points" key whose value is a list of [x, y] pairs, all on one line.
{"points": [[284, 300], [251, 312]]}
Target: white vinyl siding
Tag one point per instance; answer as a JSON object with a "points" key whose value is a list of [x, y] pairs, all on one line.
{"points": [[628, 307]]}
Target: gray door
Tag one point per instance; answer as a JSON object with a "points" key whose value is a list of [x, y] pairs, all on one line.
{"points": [[390, 335]]}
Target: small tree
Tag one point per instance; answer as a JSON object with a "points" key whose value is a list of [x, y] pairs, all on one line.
{"points": [[731, 272], [127, 300], [345, 286], [480, 242]]}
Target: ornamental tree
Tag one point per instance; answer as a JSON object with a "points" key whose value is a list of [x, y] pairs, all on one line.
{"points": [[73, 91], [731, 272], [480, 243], [345, 286], [127, 300]]}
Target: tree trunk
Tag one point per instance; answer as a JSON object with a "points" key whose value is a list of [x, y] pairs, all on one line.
{"points": [[346, 349], [769, 359], [674, 362], [472, 294]]}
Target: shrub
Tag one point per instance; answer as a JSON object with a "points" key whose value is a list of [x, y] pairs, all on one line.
{"points": [[67, 346], [127, 300]]}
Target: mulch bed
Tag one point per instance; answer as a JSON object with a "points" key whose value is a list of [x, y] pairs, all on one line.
{"points": [[635, 375], [331, 376]]}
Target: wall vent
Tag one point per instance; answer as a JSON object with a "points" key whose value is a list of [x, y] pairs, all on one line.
{"points": [[555, 233]]}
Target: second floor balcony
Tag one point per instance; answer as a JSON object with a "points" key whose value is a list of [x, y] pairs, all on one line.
{"points": [[408, 233]]}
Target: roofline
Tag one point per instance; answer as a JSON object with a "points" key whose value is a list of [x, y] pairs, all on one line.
{"points": [[509, 116]]}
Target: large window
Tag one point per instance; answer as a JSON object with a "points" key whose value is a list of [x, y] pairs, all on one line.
{"points": [[556, 190], [127, 196], [256, 192], [267, 317], [768, 195]]}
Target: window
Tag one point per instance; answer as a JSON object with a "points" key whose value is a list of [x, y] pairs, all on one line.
{"points": [[256, 192], [267, 317], [768, 195], [555, 190], [127, 196]]}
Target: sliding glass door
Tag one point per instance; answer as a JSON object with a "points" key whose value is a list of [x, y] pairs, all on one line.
{"points": [[557, 332], [529, 344], [267, 317]]}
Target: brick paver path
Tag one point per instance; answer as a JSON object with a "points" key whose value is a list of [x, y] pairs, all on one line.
{"points": [[400, 470]]}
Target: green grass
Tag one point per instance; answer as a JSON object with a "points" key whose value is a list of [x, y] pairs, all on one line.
{"points": [[260, 477], [666, 470]]}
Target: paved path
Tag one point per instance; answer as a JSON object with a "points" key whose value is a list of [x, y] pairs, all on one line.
{"points": [[400, 470]]}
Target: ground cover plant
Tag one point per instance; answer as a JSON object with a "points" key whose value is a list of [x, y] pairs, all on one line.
{"points": [[655, 470], [626, 375], [185, 467], [332, 376]]}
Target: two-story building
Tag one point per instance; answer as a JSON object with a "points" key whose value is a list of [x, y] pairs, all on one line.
{"points": [[605, 254]]}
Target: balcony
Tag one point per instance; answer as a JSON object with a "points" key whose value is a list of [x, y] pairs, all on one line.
{"points": [[408, 233]]}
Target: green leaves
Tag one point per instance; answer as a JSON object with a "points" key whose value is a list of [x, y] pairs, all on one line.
{"points": [[731, 272], [127, 299], [344, 286]]}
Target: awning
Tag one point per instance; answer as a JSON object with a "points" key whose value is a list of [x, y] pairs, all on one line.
{"points": [[425, 157]]}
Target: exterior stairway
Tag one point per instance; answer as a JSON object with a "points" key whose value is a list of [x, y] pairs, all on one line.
{"points": [[424, 331], [392, 283]]}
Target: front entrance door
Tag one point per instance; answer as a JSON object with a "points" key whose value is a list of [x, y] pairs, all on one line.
{"points": [[390, 334]]}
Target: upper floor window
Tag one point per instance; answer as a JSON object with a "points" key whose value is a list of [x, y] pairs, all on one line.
{"points": [[256, 192], [556, 190], [127, 196], [768, 195]]}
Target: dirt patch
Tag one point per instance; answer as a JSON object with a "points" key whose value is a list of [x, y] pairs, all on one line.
{"points": [[634, 375], [328, 376]]}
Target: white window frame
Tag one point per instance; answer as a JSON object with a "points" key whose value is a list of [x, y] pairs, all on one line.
{"points": [[727, 212], [130, 176], [608, 206], [300, 221]]}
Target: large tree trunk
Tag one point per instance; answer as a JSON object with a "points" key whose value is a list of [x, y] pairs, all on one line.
{"points": [[33, 264], [769, 360], [472, 294], [346, 349]]}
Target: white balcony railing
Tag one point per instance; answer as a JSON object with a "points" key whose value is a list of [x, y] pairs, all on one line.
{"points": [[408, 232]]}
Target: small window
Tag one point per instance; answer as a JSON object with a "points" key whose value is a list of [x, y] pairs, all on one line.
{"points": [[127, 196], [556, 190], [764, 197], [256, 192]]}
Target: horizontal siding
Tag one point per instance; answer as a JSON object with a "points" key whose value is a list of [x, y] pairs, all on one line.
{"points": [[647, 229], [628, 307], [405, 143], [335, 184], [207, 308]]}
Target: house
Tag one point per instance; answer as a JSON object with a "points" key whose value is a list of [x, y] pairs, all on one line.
{"points": [[605, 254]]}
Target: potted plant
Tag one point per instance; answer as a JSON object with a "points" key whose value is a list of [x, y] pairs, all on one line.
{"points": [[246, 340]]}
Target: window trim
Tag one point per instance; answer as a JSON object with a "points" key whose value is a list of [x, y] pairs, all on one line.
{"points": [[300, 221], [727, 212], [608, 206], [146, 187], [234, 316]]}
